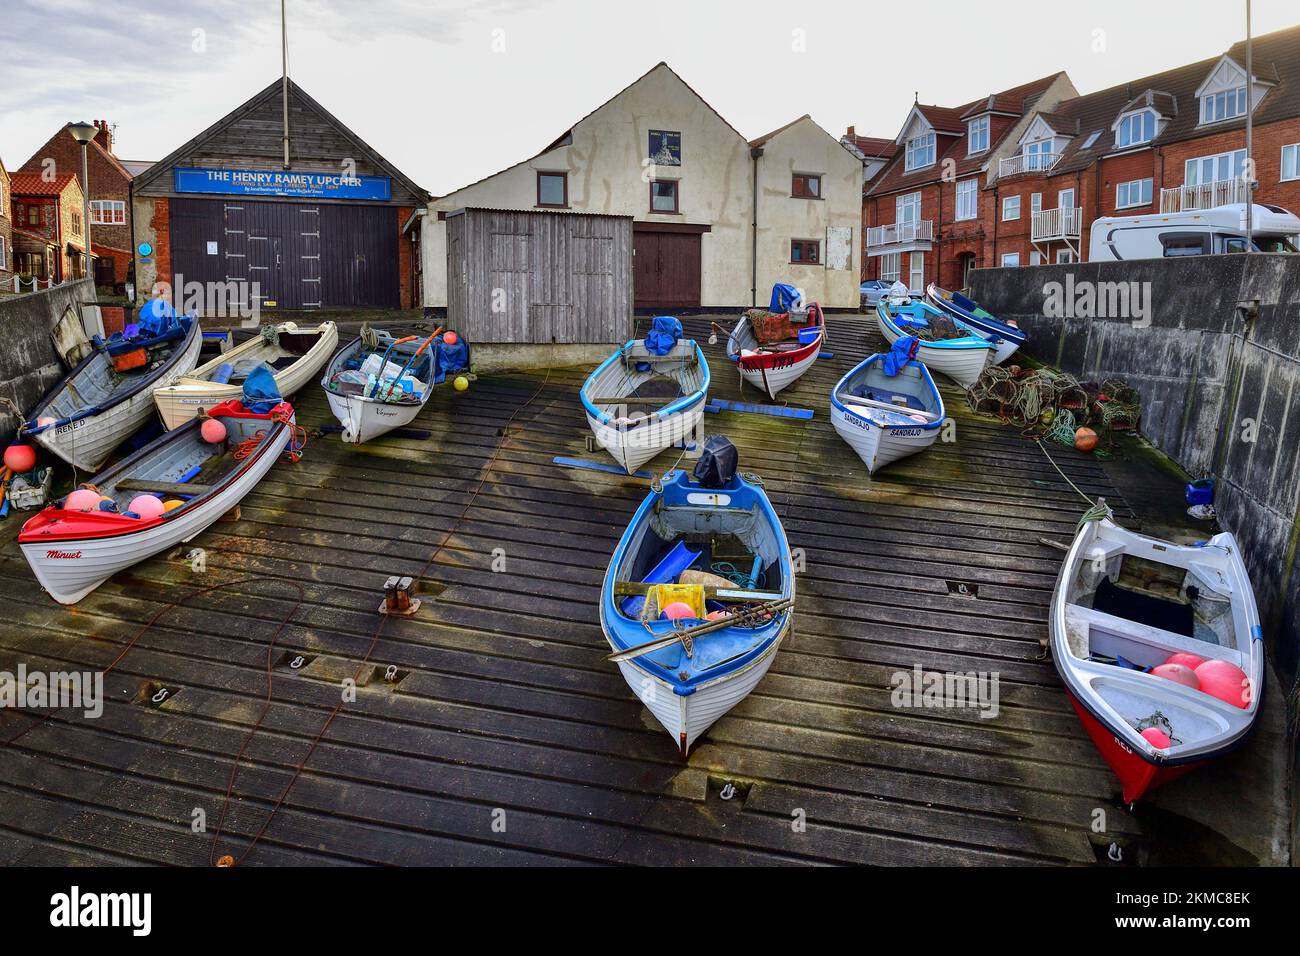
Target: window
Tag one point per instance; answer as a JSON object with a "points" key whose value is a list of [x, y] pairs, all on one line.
{"points": [[1038, 155], [1223, 105], [977, 135], [1035, 258], [33, 215], [107, 212], [553, 189], [1092, 138], [916, 281], [891, 266], [1036, 202], [1010, 207], [1135, 128], [806, 186], [76, 223], [1214, 169], [1010, 259], [1134, 193], [663, 195], [920, 151], [1064, 255], [967, 199], [1291, 161], [907, 208], [1065, 199], [1185, 243], [805, 251]]}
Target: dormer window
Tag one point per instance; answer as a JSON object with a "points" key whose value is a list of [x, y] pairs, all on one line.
{"points": [[1038, 155], [920, 151], [1135, 128], [977, 135], [1223, 105]]}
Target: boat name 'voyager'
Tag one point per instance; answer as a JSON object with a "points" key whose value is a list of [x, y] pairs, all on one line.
{"points": [[62, 555]]}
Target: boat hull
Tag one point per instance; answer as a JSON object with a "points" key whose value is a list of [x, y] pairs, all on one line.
{"points": [[962, 365], [1137, 775], [633, 446], [778, 376], [179, 402], [69, 569], [364, 419], [87, 442], [876, 445], [1007, 339]]}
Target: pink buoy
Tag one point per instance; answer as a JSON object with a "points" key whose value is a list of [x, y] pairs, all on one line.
{"points": [[1225, 681], [213, 431], [20, 458], [678, 610], [715, 615], [83, 499], [1178, 673], [1186, 659], [1157, 738], [146, 506]]}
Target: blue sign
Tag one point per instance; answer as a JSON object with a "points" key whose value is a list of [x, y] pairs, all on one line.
{"points": [[286, 182]]}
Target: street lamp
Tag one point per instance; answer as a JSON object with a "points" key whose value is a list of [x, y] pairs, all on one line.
{"points": [[83, 133]]}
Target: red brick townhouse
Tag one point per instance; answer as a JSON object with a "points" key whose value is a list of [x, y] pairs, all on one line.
{"points": [[48, 234], [925, 215], [6, 234], [110, 196], [1164, 143]]}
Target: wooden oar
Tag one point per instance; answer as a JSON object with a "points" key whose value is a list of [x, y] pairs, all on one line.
{"points": [[735, 595], [752, 615]]}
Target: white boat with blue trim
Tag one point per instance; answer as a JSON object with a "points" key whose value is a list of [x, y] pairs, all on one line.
{"points": [[886, 417], [961, 358], [691, 669], [968, 313], [638, 403]]}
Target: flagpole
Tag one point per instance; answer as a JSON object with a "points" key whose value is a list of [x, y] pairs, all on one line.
{"points": [[1250, 155]]}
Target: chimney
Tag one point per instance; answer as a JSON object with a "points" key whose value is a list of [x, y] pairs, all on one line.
{"points": [[850, 134], [105, 135]]}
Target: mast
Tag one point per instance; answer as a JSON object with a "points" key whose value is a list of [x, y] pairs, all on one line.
{"points": [[1250, 155], [284, 80]]}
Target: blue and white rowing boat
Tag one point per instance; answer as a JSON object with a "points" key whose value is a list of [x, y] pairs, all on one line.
{"points": [[691, 670], [884, 418], [967, 312], [962, 358]]}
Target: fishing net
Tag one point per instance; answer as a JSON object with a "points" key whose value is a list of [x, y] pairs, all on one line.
{"points": [[1046, 403]]}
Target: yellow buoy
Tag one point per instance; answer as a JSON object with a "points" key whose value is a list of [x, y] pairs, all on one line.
{"points": [[461, 383], [171, 504]]}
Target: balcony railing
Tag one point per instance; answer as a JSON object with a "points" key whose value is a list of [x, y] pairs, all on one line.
{"points": [[900, 233], [1050, 224], [1204, 196], [1028, 163]]}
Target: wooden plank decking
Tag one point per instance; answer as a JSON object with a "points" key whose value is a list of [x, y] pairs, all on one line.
{"points": [[504, 709]]}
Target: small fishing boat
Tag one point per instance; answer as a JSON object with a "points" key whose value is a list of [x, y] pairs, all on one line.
{"points": [[1160, 649], [163, 494], [886, 417], [698, 595], [638, 402], [1006, 337], [961, 357], [773, 350], [379, 382], [296, 355], [109, 395]]}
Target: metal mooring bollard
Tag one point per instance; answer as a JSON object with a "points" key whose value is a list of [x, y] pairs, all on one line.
{"points": [[397, 597]]}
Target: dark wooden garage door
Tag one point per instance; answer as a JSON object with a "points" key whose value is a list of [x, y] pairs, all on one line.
{"points": [[666, 267], [301, 256]]}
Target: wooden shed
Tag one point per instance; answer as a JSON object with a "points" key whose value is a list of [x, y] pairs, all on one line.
{"points": [[534, 277]]}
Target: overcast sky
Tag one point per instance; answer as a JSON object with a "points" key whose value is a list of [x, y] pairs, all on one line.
{"points": [[453, 91]]}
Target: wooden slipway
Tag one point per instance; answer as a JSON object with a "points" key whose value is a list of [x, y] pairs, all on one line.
{"points": [[503, 699]]}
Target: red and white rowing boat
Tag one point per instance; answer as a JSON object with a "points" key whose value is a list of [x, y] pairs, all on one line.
{"points": [[72, 552], [773, 349]]}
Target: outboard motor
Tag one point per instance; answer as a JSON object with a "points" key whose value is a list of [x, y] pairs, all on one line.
{"points": [[717, 464]]}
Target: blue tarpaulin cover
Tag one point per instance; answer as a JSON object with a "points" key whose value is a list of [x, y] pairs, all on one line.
{"points": [[784, 297], [904, 350], [156, 316], [664, 333], [448, 359], [261, 394]]}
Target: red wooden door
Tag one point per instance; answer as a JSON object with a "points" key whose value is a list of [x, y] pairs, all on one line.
{"points": [[666, 269]]}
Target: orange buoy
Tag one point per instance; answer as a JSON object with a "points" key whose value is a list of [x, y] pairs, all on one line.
{"points": [[450, 338], [1085, 439]]}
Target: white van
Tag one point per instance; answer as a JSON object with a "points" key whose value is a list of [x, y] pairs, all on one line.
{"points": [[1197, 232]]}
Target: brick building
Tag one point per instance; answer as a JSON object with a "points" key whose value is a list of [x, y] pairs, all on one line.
{"points": [[925, 215], [110, 196], [1018, 178], [1168, 142], [48, 234], [6, 233]]}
